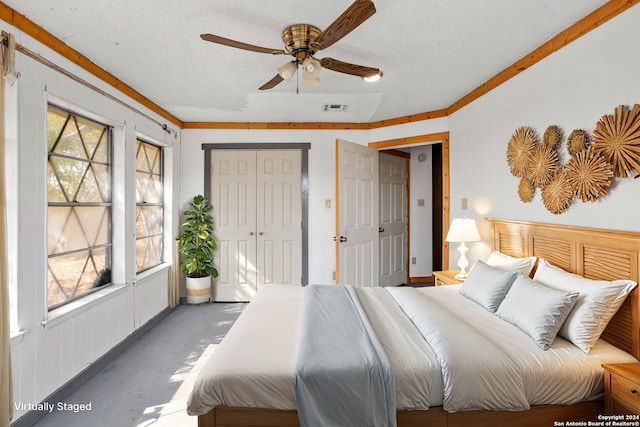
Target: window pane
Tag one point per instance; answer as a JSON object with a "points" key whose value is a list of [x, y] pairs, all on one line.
{"points": [[149, 205], [94, 186], [71, 228], [148, 188], [148, 252], [79, 211], [149, 220], [54, 187], [55, 122], [93, 138], [76, 274]]}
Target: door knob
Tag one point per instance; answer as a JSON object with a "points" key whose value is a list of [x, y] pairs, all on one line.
{"points": [[260, 233], [251, 233], [340, 239], [380, 230]]}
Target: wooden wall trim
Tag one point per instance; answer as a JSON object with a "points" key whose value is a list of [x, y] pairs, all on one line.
{"points": [[410, 119], [277, 125], [30, 28], [410, 140], [580, 28]]}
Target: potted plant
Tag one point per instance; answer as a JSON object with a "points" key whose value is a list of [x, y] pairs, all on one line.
{"points": [[196, 245]]}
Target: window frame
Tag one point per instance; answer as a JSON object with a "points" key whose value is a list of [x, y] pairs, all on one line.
{"points": [[162, 204], [110, 166]]}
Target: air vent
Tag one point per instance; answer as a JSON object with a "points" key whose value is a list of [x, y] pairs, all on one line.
{"points": [[335, 107]]}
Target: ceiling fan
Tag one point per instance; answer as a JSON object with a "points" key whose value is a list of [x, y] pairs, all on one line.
{"points": [[302, 41]]}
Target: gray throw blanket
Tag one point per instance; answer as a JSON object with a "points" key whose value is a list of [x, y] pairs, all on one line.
{"points": [[343, 377]]}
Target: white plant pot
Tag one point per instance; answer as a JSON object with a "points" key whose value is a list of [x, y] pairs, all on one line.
{"points": [[198, 290]]}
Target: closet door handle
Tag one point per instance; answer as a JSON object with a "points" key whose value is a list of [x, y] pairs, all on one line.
{"points": [[261, 234], [251, 233]]}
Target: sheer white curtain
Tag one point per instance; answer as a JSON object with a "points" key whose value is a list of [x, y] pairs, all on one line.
{"points": [[6, 383], [174, 279]]}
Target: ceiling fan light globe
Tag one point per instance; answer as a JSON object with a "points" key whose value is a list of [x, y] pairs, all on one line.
{"points": [[288, 70], [309, 80], [310, 71], [310, 65], [373, 78]]}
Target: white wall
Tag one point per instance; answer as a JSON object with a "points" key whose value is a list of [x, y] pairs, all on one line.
{"points": [[321, 180], [572, 88], [50, 348]]}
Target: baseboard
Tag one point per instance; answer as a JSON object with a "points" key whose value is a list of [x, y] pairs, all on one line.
{"points": [[32, 417]]}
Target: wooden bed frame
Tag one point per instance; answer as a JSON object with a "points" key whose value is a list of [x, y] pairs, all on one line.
{"points": [[590, 252]]}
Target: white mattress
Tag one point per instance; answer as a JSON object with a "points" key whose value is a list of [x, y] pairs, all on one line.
{"points": [[254, 364]]}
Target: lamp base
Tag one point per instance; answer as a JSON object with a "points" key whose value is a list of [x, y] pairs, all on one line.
{"points": [[461, 276], [463, 263]]}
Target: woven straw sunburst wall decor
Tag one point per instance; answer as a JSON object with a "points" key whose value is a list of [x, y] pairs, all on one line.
{"points": [[617, 138], [577, 141], [558, 194], [552, 137], [526, 190], [589, 174], [520, 151], [544, 166], [613, 151]]}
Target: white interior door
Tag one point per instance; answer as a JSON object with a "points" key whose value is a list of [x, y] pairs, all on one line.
{"points": [[233, 196], [257, 202], [357, 218], [279, 217], [393, 220]]}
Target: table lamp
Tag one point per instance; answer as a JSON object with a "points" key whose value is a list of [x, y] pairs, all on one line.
{"points": [[463, 230]]}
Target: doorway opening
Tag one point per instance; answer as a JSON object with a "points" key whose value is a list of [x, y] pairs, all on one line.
{"points": [[437, 248]]}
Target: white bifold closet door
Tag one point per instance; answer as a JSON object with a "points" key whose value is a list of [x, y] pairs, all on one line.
{"points": [[257, 200]]}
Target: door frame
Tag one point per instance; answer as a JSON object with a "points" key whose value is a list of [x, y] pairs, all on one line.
{"points": [[304, 148], [442, 137]]}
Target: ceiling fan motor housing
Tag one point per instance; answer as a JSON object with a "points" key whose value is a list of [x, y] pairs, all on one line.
{"points": [[297, 39]]}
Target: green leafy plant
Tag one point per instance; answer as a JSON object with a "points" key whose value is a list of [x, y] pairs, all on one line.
{"points": [[196, 240]]}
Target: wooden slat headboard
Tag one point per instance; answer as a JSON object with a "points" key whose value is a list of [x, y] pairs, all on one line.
{"points": [[590, 252]]}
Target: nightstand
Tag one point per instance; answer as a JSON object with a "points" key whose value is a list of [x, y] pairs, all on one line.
{"points": [[622, 388], [446, 277]]}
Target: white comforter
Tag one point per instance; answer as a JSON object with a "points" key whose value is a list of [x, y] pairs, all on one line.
{"points": [[254, 364]]}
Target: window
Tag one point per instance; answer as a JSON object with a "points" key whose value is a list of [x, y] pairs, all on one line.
{"points": [[149, 205], [79, 206]]}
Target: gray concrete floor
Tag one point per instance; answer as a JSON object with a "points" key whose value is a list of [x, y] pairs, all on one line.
{"points": [[148, 384]]}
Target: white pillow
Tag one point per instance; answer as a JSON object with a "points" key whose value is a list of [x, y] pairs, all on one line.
{"points": [[487, 285], [536, 309], [597, 304], [509, 263]]}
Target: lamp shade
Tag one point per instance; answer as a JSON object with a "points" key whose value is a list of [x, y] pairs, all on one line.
{"points": [[463, 230], [310, 71], [288, 70]]}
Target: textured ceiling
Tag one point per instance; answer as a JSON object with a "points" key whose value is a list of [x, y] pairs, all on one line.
{"points": [[432, 52]]}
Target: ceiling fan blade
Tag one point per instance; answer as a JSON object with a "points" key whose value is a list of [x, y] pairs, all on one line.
{"points": [[350, 19], [271, 83], [347, 68], [234, 43]]}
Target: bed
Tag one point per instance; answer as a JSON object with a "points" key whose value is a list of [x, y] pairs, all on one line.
{"points": [[261, 374]]}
